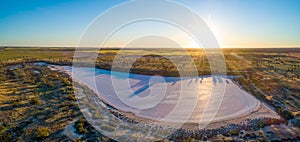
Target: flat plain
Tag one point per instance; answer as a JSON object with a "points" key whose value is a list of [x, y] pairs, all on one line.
{"points": [[39, 103]]}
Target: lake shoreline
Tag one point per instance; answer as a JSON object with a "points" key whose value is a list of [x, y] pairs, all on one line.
{"points": [[191, 126]]}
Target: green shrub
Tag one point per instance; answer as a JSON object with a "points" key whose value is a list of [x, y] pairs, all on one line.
{"points": [[107, 128], [2, 128], [297, 122], [81, 125], [35, 101], [285, 113], [15, 103], [234, 132], [42, 133], [71, 97]]}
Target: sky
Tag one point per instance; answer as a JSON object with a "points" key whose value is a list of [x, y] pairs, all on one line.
{"points": [[235, 23]]}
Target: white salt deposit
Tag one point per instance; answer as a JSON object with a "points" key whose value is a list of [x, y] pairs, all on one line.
{"points": [[169, 99]]}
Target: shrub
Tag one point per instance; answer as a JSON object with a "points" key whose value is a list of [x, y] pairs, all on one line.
{"points": [[107, 128], [2, 128], [71, 97], [42, 133], [285, 113], [15, 103], [234, 132], [35, 101], [297, 122], [81, 125], [261, 125]]}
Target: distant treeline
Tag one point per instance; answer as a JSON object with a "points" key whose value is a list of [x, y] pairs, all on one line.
{"points": [[266, 50]]}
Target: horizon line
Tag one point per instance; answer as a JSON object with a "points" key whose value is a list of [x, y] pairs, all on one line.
{"points": [[25, 46]]}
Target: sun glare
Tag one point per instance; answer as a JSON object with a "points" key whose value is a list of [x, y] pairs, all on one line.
{"points": [[217, 30], [193, 44]]}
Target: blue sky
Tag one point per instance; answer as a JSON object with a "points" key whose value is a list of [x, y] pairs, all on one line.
{"points": [[236, 23]]}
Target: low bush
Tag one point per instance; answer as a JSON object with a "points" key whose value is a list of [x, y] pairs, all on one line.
{"points": [[81, 126], [42, 133]]}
